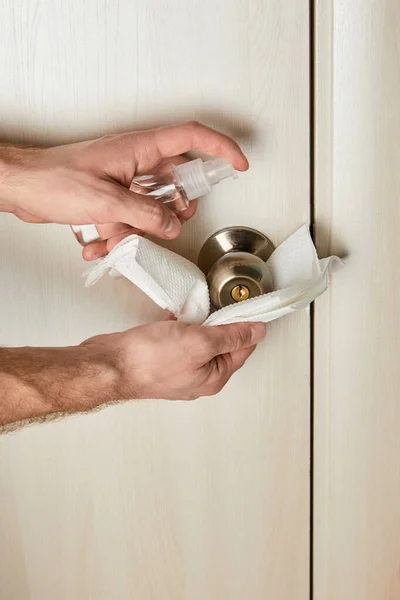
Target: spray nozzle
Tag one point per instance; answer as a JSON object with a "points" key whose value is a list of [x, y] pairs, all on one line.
{"points": [[197, 177], [217, 169]]}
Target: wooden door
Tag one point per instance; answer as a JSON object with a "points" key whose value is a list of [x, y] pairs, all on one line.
{"points": [[153, 500], [357, 324]]}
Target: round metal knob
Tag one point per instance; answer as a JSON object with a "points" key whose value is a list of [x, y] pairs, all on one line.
{"points": [[233, 259]]}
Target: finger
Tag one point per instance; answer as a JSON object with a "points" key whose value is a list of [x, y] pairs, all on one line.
{"points": [[222, 367], [165, 142], [236, 336], [227, 364], [147, 214], [95, 250], [109, 230], [116, 239], [240, 356], [185, 215], [178, 139]]}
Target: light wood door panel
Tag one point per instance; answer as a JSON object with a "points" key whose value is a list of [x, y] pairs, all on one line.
{"points": [[357, 323], [153, 500]]}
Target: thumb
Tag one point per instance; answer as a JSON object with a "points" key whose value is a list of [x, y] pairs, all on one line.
{"points": [[235, 337], [148, 214]]}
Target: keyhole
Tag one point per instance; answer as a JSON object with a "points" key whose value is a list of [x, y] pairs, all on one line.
{"points": [[240, 293]]}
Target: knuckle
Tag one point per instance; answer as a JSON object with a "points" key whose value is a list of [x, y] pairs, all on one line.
{"points": [[157, 217], [193, 124], [242, 337]]}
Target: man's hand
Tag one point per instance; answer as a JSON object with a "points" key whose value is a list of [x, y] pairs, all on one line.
{"points": [[176, 361], [88, 182], [168, 360]]}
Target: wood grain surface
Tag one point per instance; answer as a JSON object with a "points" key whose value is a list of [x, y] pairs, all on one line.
{"points": [[357, 326], [154, 500]]}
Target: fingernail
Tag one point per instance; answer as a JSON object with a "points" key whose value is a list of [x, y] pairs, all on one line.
{"points": [[173, 227], [258, 331], [246, 162]]}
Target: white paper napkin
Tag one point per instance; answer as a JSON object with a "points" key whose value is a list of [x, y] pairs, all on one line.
{"points": [[171, 281], [178, 285]]}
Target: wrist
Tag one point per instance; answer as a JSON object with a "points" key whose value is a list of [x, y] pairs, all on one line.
{"points": [[112, 357], [96, 380], [100, 379], [14, 163]]}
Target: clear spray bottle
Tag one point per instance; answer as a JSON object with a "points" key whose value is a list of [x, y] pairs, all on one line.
{"points": [[173, 185]]}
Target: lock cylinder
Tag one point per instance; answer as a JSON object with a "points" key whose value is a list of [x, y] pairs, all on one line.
{"points": [[233, 260]]}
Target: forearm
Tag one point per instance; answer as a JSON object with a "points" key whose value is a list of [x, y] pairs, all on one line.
{"points": [[35, 382]]}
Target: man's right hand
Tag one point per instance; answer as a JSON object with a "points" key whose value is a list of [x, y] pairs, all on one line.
{"points": [[88, 182], [175, 361]]}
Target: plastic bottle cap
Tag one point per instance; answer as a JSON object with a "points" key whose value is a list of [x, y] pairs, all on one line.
{"points": [[197, 177]]}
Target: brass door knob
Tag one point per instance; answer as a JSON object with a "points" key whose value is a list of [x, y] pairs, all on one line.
{"points": [[233, 260]]}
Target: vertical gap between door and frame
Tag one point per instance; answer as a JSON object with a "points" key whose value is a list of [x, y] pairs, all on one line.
{"points": [[312, 309]]}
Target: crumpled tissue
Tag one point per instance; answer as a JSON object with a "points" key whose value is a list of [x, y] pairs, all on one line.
{"points": [[178, 285]]}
